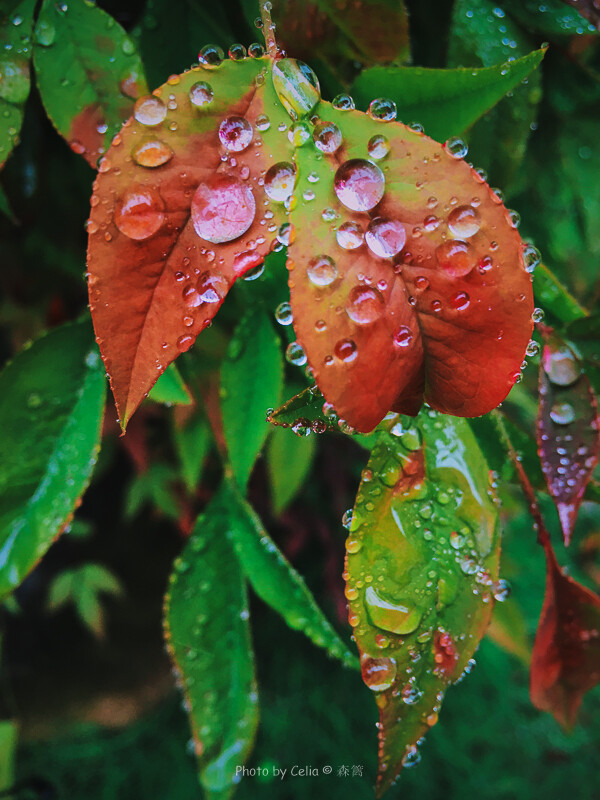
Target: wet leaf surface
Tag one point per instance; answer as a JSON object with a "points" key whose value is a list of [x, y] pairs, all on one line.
{"points": [[568, 429], [88, 74], [16, 22], [551, 18], [208, 636], [421, 573], [50, 421]]}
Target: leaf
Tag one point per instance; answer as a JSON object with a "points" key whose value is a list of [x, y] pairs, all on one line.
{"points": [[444, 101], [154, 487], [568, 429], [208, 636], [88, 74], [5, 206], [170, 389], [421, 565], [8, 753], [289, 460], [192, 443], [81, 587], [427, 328], [482, 35], [251, 382], [550, 18], [50, 420], [565, 662], [151, 280], [588, 9], [16, 23], [508, 630], [272, 576], [555, 297], [305, 407]]}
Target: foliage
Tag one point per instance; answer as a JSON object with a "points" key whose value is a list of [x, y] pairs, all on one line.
{"points": [[405, 299]]}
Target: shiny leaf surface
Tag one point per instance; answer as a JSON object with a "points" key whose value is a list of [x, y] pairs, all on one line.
{"points": [[289, 462], [421, 572], [208, 636], [50, 421]]}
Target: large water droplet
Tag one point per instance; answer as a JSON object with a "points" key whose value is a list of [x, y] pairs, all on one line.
{"points": [[223, 208], [45, 33], [299, 134], [237, 52], [235, 134], [14, 79], [561, 366], [283, 314], [382, 109], [321, 270], [327, 137], [531, 257], [456, 258], [562, 413], [345, 350], [364, 305], [385, 237], [201, 94], [295, 355], [296, 85], [378, 673], [279, 181], [211, 56], [403, 336], [343, 102], [359, 184], [151, 153], [378, 147], [464, 222], [456, 147], [350, 235], [401, 618], [139, 213], [150, 110]]}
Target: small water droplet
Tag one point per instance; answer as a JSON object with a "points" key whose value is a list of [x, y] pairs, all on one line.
{"points": [[150, 110], [296, 85], [378, 147], [533, 348], [464, 222], [279, 181], [295, 354], [283, 314], [327, 137], [211, 56], [382, 109], [561, 366], [455, 147], [139, 213], [201, 94], [347, 520], [223, 208], [537, 315], [385, 237], [359, 184], [562, 413], [343, 102], [235, 134], [345, 350], [263, 123], [151, 153], [403, 336], [321, 270], [364, 305], [349, 235], [237, 52], [299, 134], [531, 257], [460, 301], [456, 258], [256, 50]]}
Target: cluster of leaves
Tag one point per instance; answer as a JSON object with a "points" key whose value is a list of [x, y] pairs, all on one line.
{"points": [[220, 179]]}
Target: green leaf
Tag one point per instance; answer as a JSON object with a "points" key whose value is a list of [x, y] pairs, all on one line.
{"points": [[550, 293], [170, 389], [5, 206], [208, 636], [444, 101], [88, 74], [479, 37], [51, 407], [422, 559], [306, 405], [16, 23], [272, 576], [154, 486], [251, 382], [289, 459], [550, 18], [584, 333], [8, 752], [192, 443], [82, 587]]}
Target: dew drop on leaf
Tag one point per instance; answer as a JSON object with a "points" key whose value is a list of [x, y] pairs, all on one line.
{"points": [[459, 301], [211, 56], [263, 123], [283, 314], [299, 134], [560, 365], [562, 413], [327, 137], [456, 258], [237, 52], [201, 94], [321, 270], [150, 110], [139, 213], [464, 222], [531, 257], [364, 305], [343, 102], [382, 110], [378, 147], [378, 673], [345, 350], [295, 354], [152, 153], [400, 618], [246, 261], [235, 134], [359, 184], [256, 50], [455, 147], [385, 237], [279, 181], [296, 85], [223, 208], [349, 235]]}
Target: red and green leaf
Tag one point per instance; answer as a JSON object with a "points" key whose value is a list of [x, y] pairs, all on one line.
{"points": [[568, 430], [421, 571], [88, 74]]}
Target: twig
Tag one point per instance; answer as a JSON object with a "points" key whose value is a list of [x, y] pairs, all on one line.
{"points": [[268, 27]]}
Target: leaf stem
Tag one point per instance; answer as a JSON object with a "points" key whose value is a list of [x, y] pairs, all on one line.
{"points": [[268, 28]]}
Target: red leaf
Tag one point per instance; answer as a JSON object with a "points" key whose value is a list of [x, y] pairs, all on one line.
{"points": [[154, 284], [566, 655], [445, 317], [568, 431]]}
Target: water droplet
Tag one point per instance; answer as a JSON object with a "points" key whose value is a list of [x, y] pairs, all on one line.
{"points": [[403, 336], [149, 110], [385, 237], [359, 184], [128, 47], [283, 314], [378, 147], [464, 222], [256, 50], [353, 546], [285, 234], [533, 348], [410, 692], [327, 137], [378, 673], [237, 52], [263, 123], [560, 365], [201, 94], [301, 427], [139, 213], [460, 301], [299, 134], [279, 181], [321, 270], [223, 208], [501, 591], [295, 354], [345, 350], [457, 540], [400, 618], [235, 134], [151, 153], [382, 110], [211, 56], [364, 305], [343, 102], [531, 257], [45, 33], [562, 413], [411, 757], [349, 235], [514, 218], [537, 315], [456, 258], [455, 147], [347, 519], [247, 262], [212, 287], [296, 85]]}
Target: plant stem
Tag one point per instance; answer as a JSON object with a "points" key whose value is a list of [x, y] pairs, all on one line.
{"points": [[268, 27]]}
